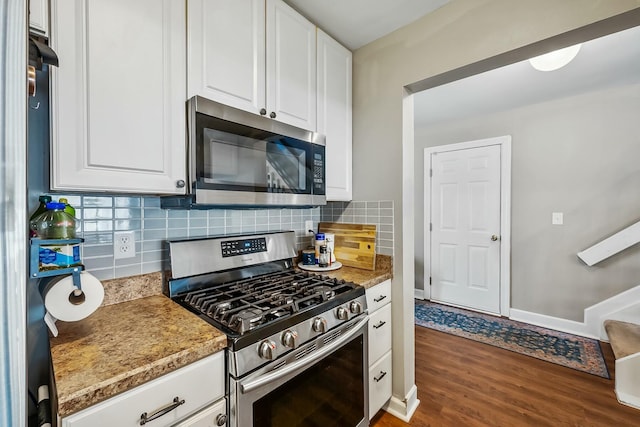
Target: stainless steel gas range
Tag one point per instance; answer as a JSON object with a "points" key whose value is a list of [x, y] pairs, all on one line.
{"points": [[297, 342]]}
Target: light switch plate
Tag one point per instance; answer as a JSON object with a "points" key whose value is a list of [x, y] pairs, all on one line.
{"points": [[557, 218]]}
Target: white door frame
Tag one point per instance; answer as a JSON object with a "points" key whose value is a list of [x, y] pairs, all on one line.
{"points": [[505, 212]]}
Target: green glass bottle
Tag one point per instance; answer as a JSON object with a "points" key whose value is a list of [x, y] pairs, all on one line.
{"points": [[67, 207], [55, 223], [39, 211]]}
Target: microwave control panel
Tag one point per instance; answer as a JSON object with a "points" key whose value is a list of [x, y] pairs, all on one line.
{"points": [[243, 246], [318, 173]]}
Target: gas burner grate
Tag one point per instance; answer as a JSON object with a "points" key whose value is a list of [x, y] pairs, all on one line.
{"points": [[247, 304]]}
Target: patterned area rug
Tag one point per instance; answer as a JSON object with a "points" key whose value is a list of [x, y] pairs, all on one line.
{"points": [[583, 354]]}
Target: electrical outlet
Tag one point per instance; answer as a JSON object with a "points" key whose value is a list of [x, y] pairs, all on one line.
{"points": [[308, 225], [124, 244]]}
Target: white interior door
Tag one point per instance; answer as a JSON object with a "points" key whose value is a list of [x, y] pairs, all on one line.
{"points": [[465, 228]]}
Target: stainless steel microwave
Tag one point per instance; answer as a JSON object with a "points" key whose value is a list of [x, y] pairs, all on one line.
{"points": [[239, 159]]}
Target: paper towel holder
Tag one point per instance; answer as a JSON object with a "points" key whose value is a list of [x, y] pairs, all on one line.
{"points": [[36, 273]]}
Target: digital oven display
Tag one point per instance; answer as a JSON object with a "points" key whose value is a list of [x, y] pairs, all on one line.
{"points": [[243, 246]]}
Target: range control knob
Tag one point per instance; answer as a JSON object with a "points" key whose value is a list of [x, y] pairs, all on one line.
{"points": [[319, 325], [266, 349], [342, 313], [355, 307], [290, 339]]}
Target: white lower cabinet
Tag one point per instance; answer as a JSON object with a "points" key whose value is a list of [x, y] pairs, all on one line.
{"points": [[379, 384], [196, 385], [380, 335]]}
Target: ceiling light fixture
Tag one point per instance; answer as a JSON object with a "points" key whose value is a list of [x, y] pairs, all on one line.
{"points": [[556, 59]]}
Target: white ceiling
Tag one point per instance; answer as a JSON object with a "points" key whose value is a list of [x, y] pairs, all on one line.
{"points": [[355, 23], [605, 62]]}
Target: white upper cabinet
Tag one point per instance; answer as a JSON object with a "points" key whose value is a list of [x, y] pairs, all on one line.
{"points": [[237, 60], [291, 66], [39, 17], [334, 114], [226, 52], [118, 107]]}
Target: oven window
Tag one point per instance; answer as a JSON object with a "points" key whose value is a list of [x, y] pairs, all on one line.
{"points": [[330, 393]]}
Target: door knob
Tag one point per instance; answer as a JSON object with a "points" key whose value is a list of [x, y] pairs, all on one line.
{"points": [[494, 238]]}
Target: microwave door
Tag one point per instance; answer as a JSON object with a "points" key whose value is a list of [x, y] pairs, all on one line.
{"points": [[237, 163], [287, 165]]}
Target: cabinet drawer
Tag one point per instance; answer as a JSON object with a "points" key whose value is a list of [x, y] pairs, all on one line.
{"points": [[198, 384], [379, 384], [378, 295], [211, 416], [379, 333]]}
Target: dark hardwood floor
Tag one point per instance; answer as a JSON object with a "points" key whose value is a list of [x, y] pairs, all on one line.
{"points": [[463, 383]]}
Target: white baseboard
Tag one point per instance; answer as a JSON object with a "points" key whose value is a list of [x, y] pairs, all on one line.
{"points": [[419, 294], [550, 322], [404, 408]]}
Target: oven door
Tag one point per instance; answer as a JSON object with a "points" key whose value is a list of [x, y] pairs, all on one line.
{"points": [[322, 383]]}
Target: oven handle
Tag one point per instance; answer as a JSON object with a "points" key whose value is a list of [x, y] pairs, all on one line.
{"points": [[259, 382]]}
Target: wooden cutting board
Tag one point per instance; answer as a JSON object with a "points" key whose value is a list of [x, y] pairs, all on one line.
{"points": [[355, 244]]}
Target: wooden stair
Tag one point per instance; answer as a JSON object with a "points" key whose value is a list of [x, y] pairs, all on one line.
{"points": [[625, 342]]}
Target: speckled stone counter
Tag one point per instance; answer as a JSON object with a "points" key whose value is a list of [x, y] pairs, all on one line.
{"points": [[365, 278], [123, 345]]}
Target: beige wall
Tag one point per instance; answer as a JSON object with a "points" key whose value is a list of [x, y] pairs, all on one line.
{"points": [[577, 155], [460, 33]]}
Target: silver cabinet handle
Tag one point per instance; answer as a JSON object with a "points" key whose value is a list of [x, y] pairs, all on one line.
{"points": [[382, 374], [494, 238], [379, 325], [380, 298], [180, 183], [144, 418], [263, 111], [272, 115]]}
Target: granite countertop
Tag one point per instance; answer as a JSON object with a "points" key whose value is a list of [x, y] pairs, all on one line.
{"points": [[123, 345], [365, 278]]}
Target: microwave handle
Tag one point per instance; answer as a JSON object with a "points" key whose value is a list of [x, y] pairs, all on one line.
{"points": [[264, 379]]}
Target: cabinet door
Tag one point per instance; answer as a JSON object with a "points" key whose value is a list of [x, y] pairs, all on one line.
{"points": [[226, 52], [118, 97], [39, 16], [334, 114], [379, 384], [291, 66], [197, 385], [378, 295], [379, 333]]}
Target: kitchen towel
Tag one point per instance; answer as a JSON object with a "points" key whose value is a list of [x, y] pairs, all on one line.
{"points": [[63, 301]]}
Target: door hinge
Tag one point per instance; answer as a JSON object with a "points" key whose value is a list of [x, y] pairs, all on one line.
{"points": [[429, 279], [430, 172], [430, 226]]}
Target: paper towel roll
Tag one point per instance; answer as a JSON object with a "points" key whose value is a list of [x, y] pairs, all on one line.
{"points": [[62, 303]]}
